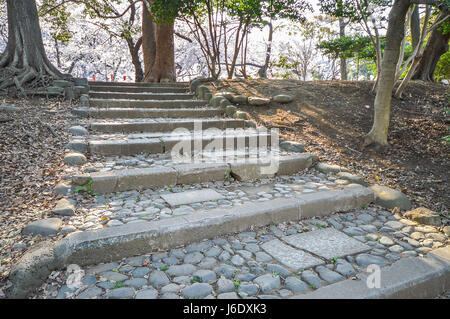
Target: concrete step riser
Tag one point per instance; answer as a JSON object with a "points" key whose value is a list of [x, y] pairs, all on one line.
{"points": [[147, 113], [133, 89], [140, 179], [167, 144], [141, 97], [146, 104], [162, 127], [132, 84]]}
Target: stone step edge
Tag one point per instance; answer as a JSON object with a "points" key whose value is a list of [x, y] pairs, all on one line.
{"points": [[407, 278], [166, 125], [145, 112], [159, 144], [109, 244], [145, 178], [139, 84], [129, 103]]}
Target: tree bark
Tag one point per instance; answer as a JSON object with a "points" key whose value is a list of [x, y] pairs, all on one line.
{"points": [[437, 45], [148, 39], [164, 67], [24, 59], [395, 33], [343, 61], [134, 51], [263, 71]]}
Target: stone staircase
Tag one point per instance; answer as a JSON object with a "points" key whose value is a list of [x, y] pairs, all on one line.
{"points": [[152, 119], [155, 153], [228, 176]]}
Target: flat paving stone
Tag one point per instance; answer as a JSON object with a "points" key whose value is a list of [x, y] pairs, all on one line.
{"points": [[290, 257], [367, 259], [120, 293], [295, 284], [190, 197], [90, 293], [197, 290], [268, 282], [328, 275], [149, 293], [44, 227], [158, 279], [327, 243], [311, 278], [181, 270], [228, 295]]}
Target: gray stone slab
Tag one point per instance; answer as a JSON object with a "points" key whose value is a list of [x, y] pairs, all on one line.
{"points": [[327, 243], [191, 197], [290, 257]]}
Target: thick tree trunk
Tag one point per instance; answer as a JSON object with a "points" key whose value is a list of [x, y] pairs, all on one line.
{"points": [[436, 46], [343, 61], [395, 33], [148, 40], [164, 67], [24, 59]]}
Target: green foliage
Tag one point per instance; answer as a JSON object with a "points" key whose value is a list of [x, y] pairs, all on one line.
{"points": [[254, 12], [442, 71], [349, 8], [87, 189], [349, 47]]}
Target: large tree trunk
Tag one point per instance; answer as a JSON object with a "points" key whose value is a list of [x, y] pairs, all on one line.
{"points": [[343, 61], [436, 46], [395, 33], [24, 59], [148, 40], [164, 67]]}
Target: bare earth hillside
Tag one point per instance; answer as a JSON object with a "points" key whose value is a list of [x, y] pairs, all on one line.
{"points": [[331, 118]]}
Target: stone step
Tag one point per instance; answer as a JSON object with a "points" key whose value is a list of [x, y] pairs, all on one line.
{"points": [[138, 84], [124, 103], [147, 178], [136, 113], [155, 143], [134, 239], [141, 96], [138, 89], [163, 125]]}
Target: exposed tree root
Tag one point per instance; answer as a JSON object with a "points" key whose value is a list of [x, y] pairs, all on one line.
{"points": [[371, 143]]}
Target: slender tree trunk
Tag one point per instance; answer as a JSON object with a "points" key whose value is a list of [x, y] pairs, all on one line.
{"points": [[395, 33], [343, 61], [263, 71], [148, 40], [437, 45], [134, 51], [24, 59]]}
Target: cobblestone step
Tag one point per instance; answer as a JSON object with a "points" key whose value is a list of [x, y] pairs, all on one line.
{"points": [[145, 178], [140, 96], [125, 103], [164, 125], [135, 113], [138, 89], [135, 239]]}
